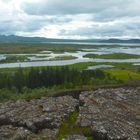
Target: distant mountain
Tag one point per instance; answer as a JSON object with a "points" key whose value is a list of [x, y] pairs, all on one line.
{"points": [[21, 39], [133, 41]]}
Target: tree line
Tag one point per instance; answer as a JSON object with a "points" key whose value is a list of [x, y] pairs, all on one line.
{"points": [[48, 77]]}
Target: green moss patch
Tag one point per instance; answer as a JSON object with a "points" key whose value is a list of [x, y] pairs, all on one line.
{"points": [[69, 127]]}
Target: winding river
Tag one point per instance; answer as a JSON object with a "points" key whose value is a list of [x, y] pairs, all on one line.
{"points": [[43, 58]]}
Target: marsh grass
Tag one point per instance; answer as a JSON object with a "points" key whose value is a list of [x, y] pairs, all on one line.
{"points": [[113, 56]]}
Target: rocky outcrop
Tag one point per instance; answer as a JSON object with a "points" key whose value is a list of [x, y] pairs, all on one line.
{"points": [[36, 116], [111, 114]]}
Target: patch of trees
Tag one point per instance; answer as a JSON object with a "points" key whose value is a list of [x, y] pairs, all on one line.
{"points": [[48, 77]]}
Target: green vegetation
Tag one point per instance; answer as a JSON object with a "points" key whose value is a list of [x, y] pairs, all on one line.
{"points": [[29, 94], [113, 56], [48, 77], [23, 83], [35, 48], [123, 75], [14, 58], [16, 48], [69, 127], [32, 83], [63, 58], [41, 56]]}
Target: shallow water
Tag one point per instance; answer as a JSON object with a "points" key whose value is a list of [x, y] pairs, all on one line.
{"points": [[2, 57], [81, 54], [41, 63], [93, 43], [136, 64], [128, 50], [63, 62], [99, 66], [37, 61]]}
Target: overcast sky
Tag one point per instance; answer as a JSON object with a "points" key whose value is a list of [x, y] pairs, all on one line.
{"points": [[78, 19]]}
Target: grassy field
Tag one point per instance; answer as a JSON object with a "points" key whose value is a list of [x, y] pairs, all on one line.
{"points": [[113, 56], [35, 48], [41, 56], [63, 58], [56, 48], [14, 58], [123, 75]]}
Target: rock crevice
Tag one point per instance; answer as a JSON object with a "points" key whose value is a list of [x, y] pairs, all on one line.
{"points": [[111, 114]]}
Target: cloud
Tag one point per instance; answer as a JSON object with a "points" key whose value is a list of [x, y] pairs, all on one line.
{"points": [[98, 8], [71, 19], [55, 7]]}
